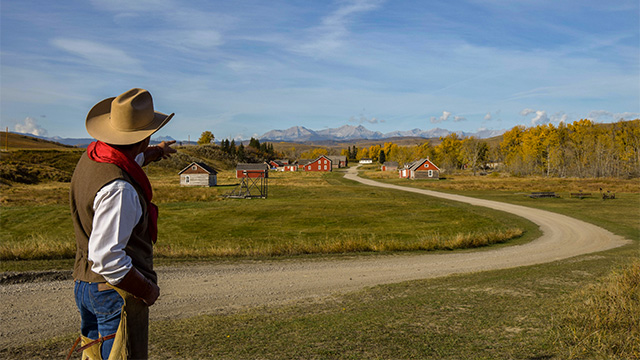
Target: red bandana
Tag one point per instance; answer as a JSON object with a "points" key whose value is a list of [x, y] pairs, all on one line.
{"points": [[104, 153]]}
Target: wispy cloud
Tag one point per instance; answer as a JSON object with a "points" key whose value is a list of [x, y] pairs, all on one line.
{"points": [[603, 115], [363, 119], [333, 32], [103, 56]]}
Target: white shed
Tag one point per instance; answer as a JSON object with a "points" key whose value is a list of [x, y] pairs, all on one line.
{"points": [[198, 174]]}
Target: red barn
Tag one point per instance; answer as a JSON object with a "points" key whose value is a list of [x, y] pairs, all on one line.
{"points": [[421, 169], [244, 170], [322, 163]]}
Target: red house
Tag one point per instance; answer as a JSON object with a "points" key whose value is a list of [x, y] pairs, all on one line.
{"points": [[244, 170], [322, 163], [421, 169]]}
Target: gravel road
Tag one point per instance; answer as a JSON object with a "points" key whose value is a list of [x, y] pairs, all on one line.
{"points": [[40, 310]]}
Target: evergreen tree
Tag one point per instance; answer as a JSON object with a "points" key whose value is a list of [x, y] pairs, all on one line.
{"points": [[254, 143], [240, 153], [382, 157]]}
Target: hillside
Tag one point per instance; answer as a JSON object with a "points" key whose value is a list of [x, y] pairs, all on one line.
{"points": [[22, 142], [32, 160]]}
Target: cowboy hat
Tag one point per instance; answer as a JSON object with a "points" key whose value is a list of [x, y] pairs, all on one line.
{"points": [[126, 119]]}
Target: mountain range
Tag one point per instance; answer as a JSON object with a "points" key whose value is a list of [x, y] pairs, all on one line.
{"points": [[350, 132], [302, 134]]}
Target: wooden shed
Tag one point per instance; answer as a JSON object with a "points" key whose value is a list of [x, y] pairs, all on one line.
{"points": [[198, 174], [252, 170]]}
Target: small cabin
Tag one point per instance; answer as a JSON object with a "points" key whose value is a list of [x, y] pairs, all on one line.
{"points": [[198, 174], [252, 170], [366, 161]]}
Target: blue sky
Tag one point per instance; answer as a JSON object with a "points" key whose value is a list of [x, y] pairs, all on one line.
{"points": [[242, 68]]}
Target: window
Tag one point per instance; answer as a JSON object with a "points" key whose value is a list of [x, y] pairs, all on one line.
{"points": [[186, 179], [430, 173], [194, 167], [319, 166], [325, 167]]}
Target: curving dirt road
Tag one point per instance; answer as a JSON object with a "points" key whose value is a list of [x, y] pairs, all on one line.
{"points": [[42, 310]]}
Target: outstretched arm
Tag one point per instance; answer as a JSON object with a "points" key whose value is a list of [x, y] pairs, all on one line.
{"points": [[159, 152]]}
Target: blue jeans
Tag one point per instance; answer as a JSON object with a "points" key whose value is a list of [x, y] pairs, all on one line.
{"points": [[100, 312]]}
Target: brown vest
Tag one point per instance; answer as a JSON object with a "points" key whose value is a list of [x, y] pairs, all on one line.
{"points": [[88, 178]]}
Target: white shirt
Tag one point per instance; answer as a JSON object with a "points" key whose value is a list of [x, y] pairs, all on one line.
{"points": [[117, 211]]}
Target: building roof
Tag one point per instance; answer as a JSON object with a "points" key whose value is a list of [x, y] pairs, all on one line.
{"points": [[416, 164], [337, 157], [252, 166], [391, 163], [202, 165]]}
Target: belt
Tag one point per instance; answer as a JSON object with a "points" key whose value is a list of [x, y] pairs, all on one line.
{"points": [[104, 287]]}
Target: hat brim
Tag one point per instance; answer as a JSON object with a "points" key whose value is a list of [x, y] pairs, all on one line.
{"points": [[99, 126]]}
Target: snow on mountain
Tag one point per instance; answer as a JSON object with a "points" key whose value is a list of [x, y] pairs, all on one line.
{"points": [[161, 139], [350, 132], [299, 133]]}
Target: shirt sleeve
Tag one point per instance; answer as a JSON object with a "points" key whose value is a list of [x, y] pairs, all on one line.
{"points": [[140, 159], [117, 210]]}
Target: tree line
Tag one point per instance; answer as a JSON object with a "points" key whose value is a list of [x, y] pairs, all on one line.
{"points": [[580, 149]]}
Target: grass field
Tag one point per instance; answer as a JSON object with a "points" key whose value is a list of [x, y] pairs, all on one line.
{"points": [[584, 307], [304, 214]]}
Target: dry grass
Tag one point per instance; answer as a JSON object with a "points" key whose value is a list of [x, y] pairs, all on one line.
{"points": [[346, 244], [502, 182], [37, 194], [604, 319], [38, 247]]}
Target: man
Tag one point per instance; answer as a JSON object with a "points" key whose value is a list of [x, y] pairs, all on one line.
{"points": [[116, 226]]}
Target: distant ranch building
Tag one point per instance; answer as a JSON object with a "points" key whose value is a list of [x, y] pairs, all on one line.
{"points": [[389, 166], [198, 174], [366, 161], [252, 170], [282, 165], [322, 163], [338, 161], [420, 169]]}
